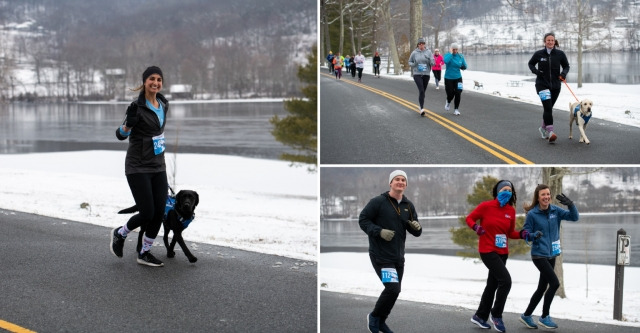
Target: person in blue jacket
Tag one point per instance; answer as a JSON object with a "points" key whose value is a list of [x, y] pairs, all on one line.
{"points": [[453, 78], [543, 227]]}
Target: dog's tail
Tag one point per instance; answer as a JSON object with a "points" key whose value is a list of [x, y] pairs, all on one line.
{"points": [[129, 210]]}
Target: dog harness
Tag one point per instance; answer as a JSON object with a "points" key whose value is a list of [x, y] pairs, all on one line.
{"points": [[575, 113], [171, 203]]}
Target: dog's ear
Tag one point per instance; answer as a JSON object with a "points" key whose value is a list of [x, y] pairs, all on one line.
{"points": [[179, 195], [197, 199]]}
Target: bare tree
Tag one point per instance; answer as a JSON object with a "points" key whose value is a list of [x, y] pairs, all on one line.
{"points": [[415, 21], [393, 49]]}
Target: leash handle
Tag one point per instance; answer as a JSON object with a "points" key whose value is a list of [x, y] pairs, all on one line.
{"points": [[173, 194], [574, 95]]}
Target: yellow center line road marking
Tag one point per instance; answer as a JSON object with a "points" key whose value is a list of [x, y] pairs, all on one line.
{"points": [[491, 147], [13, 328]]}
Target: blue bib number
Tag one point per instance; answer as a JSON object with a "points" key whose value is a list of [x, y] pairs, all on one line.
{"points": [[501, 241], [422, 67], [459, 85], [389, 275], [158, 144], [545, 95], [556, 249]]}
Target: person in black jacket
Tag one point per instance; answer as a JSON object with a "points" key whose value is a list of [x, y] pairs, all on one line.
{"points": [[386, 220], [144, 164], [550, 62]]}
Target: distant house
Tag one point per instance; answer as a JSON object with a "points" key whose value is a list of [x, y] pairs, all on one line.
{"points": [[181, 91]]}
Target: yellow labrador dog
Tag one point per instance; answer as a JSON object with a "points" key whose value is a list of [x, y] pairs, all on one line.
{"points": [[580, 112]]}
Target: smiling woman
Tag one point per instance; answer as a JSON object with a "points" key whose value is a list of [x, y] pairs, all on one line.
{"points": [[144, 165]]}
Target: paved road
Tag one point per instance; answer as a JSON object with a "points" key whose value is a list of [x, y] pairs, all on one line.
{"points": [[59, 276], [347, 313], [377, 122]]}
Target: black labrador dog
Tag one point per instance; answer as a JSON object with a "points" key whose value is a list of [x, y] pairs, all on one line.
{"points": [[179, 212]]}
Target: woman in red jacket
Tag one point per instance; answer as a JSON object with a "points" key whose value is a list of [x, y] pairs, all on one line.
{"points": [[494, 221]]}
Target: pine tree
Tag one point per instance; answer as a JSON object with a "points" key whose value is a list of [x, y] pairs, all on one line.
{"points": [[467, 238], [299, 130]]}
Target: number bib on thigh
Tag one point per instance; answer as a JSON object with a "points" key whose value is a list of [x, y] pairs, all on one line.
{"points": [[459, 85], [158, 144], [390, 275], [556, 249], [544, 95], [501, 241]]}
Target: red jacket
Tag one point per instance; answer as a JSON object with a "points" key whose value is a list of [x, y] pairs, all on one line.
{"points": [[499, 224]]}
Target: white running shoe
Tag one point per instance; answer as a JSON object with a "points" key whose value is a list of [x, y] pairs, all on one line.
{"points": [[543, 133], [446, 106], [422, 113], [437, 88], [456, 112]]}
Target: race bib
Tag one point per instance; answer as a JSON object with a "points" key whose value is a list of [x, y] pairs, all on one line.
{"points": [[556, 249], [545, 95], [422, 67], [501, 241], [459, 85], [389, 275], [158, 144]]}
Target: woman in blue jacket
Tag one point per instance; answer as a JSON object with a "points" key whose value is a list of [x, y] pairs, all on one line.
{"points": [[543, 223], [453, 78]]}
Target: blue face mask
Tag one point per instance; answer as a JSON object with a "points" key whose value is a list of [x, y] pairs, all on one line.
{"points": [[504, 197]]}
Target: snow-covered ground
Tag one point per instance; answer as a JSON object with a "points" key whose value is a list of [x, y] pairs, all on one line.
{"points": [[457, 282], [252, 204], [612, 102]]}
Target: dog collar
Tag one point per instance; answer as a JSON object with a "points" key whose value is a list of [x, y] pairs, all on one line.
{"points": [[575, 112]]}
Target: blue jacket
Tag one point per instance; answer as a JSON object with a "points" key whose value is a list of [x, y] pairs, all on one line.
{"points": [[549, 223], [454, 62]]}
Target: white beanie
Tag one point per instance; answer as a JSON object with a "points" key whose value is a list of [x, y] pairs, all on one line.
{"points": [[398, 173], [455, 46]]}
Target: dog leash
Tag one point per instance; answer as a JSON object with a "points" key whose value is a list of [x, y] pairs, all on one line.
{"points": [[574, 95]]}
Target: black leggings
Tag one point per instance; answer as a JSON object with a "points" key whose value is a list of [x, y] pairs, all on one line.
{"points": [[547, 116], [150, 194], [453, 93], [376, 69], [498, 285], [547, 277], [422, 81], [359, 69], [391, 291]]}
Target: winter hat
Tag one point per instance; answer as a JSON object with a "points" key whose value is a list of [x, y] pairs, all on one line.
{"points": [[421, 40], [398, 173], [455, 46], [503, 184], [151, 70]]}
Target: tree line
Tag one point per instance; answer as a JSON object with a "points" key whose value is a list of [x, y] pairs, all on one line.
{"points": [[222, 49], [443, 191], [393, 27]]}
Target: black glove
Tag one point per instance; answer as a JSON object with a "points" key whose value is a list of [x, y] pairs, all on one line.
{"points": [[132, 116], [463, 67], [564, 200], [539, 73]]}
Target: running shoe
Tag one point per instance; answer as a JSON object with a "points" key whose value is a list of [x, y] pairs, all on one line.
{"points": [[146, 258], [498, 324], [528, 321], [546, 322], [480, 322]]}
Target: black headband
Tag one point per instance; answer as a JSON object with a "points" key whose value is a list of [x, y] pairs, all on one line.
{"points": [[151, 70]]}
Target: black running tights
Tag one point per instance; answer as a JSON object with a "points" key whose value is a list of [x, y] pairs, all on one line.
{"points": [[150, 193]]}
